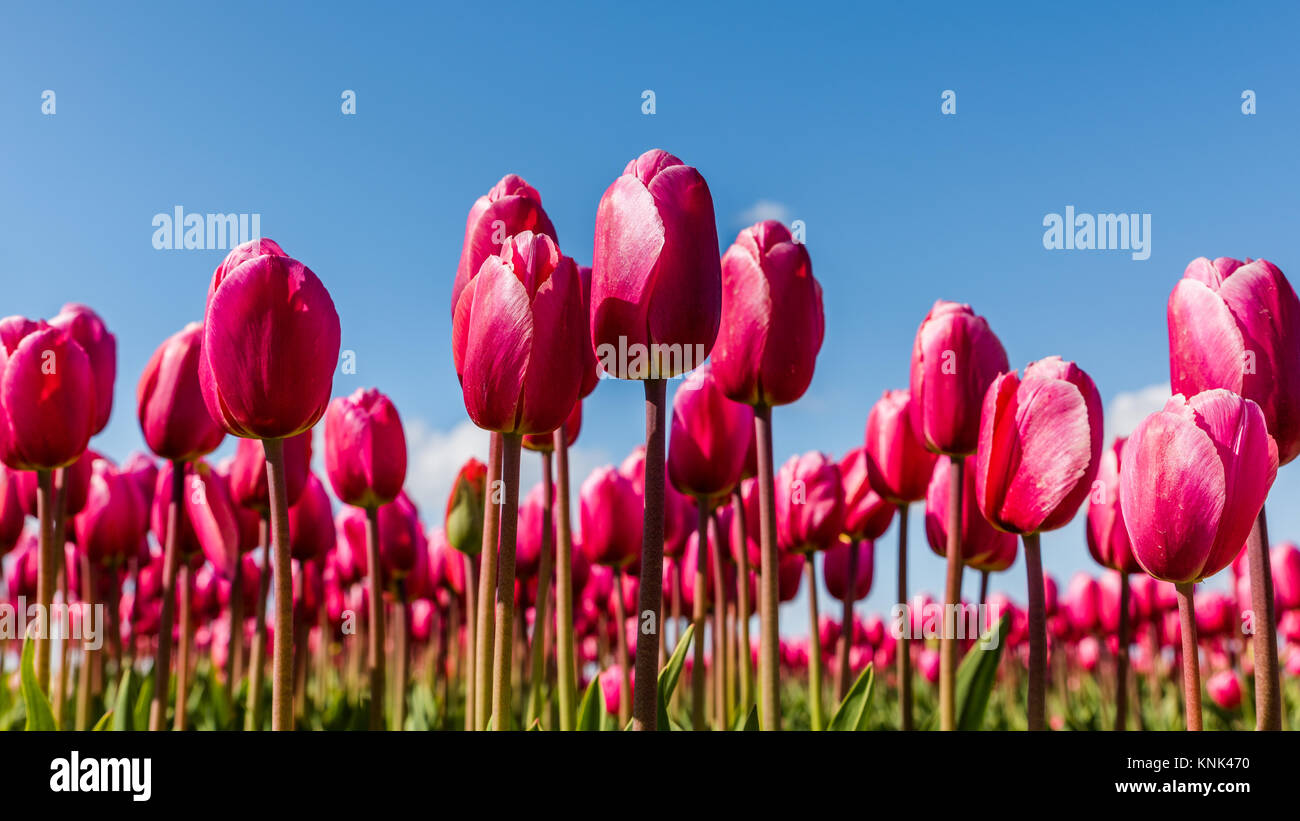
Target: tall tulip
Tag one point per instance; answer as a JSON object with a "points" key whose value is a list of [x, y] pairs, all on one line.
{"points": [[866, 518], [1236, 325], [468, 516], [1040, 442], [1192, 482], [365, 459], [518, 330], [772, 330], [270, 346]]}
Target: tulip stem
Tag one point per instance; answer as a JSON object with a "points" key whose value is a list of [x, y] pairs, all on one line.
{"points": [[648, 617], [45, 575], [88, 654], [743, 603], [1037, 634], [697, 616], [505, 593], [1268, 686], [814, 643], [846, 626], [721, 717], [375, 612], [282, 657], [162, 662], [185, 580], [467, 658], [904, 655], [402, 653], [257, 653], [487, 587], [620, 644], [235, 641], [1191, 661], [1121, 657], [952, 600], [769, 598], [564, 648], [541, 618]]}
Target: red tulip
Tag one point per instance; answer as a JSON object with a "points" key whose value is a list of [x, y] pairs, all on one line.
{"points": [[1236, 326], [211, 515], [110, 527], [173, 417], [1193, 479], [710, 437], [983, 546], [773, 324], [397, 538], [11, 510], [88, 330], [1224, 690], [611, 518], [954, 360], [365, 449], [1108, 540], [1083, 603], [47, 396], [144, 472], [311, 523], [270, 346], [511, 207], [866, 514], [656, 280], [809, 503], [1039, 446], [836, 569], [517, 333], [248, 485], [898, 463]]}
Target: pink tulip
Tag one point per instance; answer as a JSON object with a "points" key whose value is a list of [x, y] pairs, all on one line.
{"points": [[1236, 326], [710, 437], [809, 503], [88, 330], [1089, 653], [270, 346], [365, 449], [211, 514], [836, 569], [172, 414], [1193, 479], [247, 477], [954, 360], [528, 548], [1083, 604], [927, 662], [866, 514], [545, 442], [1108, 539], [983, 546], [517, 333], [898, 463], [1039, 448], [47, 396], [11, 510], [611, 518], [1286, 576], [773, 325], [656, 279], [611, 684], [1224, 690], [110, 527], [144, 472], [511, 207], [311, 523]]}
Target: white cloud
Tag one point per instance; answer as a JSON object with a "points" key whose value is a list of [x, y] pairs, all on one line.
{"points": [[764, 210], [1129, 408]]}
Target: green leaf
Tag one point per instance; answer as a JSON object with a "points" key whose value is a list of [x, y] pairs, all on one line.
{"points": [[39, 715], [747, 723], [589, 709], [670, 674], [976, 676], [607, 719], [121, 711], [852, 713], [102, 724], [140, 718]]}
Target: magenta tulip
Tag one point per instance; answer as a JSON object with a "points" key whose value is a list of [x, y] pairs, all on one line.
{"points": [[88, 330], [311, 522], [610, 518], [47, 396], [898, 463], [809, 503], [365, 449], [248, 482], [173, 417], [983, 546], [114, 521], [866, 514], [839, 567], [511, 207], [710, 437], [1286, 576], [11, 510]]}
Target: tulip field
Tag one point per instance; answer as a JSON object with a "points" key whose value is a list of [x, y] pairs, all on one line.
{"points": [[282, 588]]}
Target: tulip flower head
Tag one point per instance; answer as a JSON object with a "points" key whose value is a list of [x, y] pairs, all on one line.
{"points": [[365, 449], [464, 519], [47, 396], [809, 503], [710, 437], [511, 207]]}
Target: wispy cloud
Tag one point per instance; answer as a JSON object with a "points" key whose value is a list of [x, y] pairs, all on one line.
{"points": [[764, 210], [1129, 408]]}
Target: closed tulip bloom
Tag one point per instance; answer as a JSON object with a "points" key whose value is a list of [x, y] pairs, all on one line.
{"points": [[397, 538], [1193, 480], [11, 510], [270, 346], [898, 462], [248, 485], [866, 514], [173, 416], [1236, 325], [1083, 603], [983, 546], [511, 207], [143, 470], [954, 360], [809, 503], [517, 333], [210, 515], [1224, 690], [528, 548], [1285, 560], [1039, 447], [311, 522], [545, 442], [76, 485], [710, 437], [446, 564], [47, 396], [89, 331], [1108, 540], [836, 568], [656, 278], [773, 325], [114, 521], [365, 449], [610, 513], [464, 519]]}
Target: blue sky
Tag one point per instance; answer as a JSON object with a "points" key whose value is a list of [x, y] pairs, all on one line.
{"points": [[825, 113]]}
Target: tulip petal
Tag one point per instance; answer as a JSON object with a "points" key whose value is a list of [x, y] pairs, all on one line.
{"points": [[497, 339]]}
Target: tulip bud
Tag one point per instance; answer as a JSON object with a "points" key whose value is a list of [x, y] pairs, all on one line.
{"points": [[836, 569], [710, 437], [465, 503], [109, 528], [365, 449], [866, 514], [172, 414], [610, 513], [898, 463], [311, 522], [809, 503], [47, 396]]}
